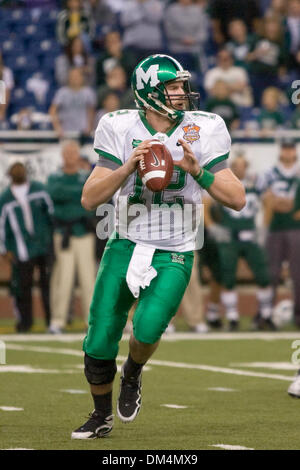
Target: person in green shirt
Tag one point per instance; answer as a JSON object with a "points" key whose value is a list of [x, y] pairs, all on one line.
{"points": [[112, 55], [270, 117], [240, 42], [26, 240], [73, 241], [235, 235], [267, 58], [220, 103], [281, 185]]}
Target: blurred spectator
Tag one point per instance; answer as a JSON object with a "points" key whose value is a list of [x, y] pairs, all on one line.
{"points": [[270, 117], [26, 240], [74, 21], [73, 242], [112, 55], [186, 27], [101, 12], [141, 20], [75, 55], [223, 11], [267, 58], [292, 25], [277, 9], [239, 43], [235, 77], [6, 76], [73, 106], [116, 81], [295, 119], [110, 103], [220, 103]]}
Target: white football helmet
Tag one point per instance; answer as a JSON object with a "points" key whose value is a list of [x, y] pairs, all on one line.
{"points": [[294, 388], [283, 313]]}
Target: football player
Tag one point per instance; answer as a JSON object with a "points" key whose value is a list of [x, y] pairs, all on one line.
{"points": [[282, 209], [235, 237], [156, 270]]}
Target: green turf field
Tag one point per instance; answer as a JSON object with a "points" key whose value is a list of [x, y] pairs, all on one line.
{"points": [[248, 406]]}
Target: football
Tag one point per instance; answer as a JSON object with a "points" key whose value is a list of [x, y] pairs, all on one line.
{"points": [[156, 167]]}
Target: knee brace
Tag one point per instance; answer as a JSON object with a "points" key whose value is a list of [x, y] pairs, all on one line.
{"points": [[99, 371]]}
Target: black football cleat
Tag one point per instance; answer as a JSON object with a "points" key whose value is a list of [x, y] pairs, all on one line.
{"points": [[96, 426], [130, 399], [270, 325], [261, 324], [233, 325], [216, 324]]}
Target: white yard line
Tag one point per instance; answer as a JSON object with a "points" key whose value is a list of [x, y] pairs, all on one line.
{"points": [[267, 365], [230, 447], [44, 349], [10, 408], [222, 389], [223, 370], [17, 448], [27, 369], [72, 337], [176, 407], [155, 362]]}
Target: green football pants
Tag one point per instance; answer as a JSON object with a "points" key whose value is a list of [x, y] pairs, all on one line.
{"points": [[229, 254], [112, 299]]}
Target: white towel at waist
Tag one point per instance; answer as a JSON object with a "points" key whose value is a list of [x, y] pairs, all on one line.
{"points": [[140, 272]]}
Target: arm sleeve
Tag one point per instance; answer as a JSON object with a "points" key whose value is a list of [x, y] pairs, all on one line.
{"points": [[219, 166], [105, 143], [217, 146]]}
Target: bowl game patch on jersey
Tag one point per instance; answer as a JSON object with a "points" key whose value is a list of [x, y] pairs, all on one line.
{"points": [[191, 133]]}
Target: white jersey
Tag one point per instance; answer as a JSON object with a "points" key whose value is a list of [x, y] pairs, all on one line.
{"points": [[117, 135]]}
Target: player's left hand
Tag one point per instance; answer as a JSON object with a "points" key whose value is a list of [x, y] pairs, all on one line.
{"points": [[189, 161]]}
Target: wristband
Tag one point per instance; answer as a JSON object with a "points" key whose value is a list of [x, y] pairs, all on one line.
{"points": [[205, 178]]}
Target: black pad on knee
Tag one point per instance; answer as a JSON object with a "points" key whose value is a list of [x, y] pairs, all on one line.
{"points": [[99, 371]]}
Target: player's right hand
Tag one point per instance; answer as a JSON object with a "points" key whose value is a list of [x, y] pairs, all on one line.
{"points": [[137, 155]]}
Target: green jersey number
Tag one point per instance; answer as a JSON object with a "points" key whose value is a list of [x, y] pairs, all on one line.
{"points": [[162, 196]]}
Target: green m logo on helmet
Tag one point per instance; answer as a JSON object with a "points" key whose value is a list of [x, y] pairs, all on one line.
{"points": [[148, 84], [144, 77]]}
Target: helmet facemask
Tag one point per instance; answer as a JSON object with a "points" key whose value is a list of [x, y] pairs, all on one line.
{"points": [[191, 98]]}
